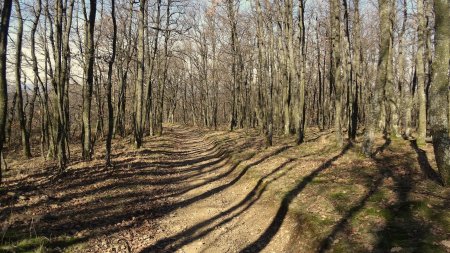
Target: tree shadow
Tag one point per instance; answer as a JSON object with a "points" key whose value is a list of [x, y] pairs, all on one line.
{"points": [[326, 243], [280, 216], [402, 229], [175, 242], [100, 202], [424, 163], [382, 148]]}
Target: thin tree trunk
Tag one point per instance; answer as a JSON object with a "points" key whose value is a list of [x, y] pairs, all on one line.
{"points": [[149, 106], [422, 120], [402, 84], [358, 60], [234, 102], [18, 69], [391, 93], [37, 79], [301, 76], [335, 7], [89, 74], [109, 87], [138, 113]]}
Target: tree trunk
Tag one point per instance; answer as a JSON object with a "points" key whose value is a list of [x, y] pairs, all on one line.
{"points": [[439, 90], [89, 75], [109, 87], [402, 84], [20, 108], [335, 8], [37, 81], [420, 66], [301, 75], [63, 23], [234, 102], [391, 93], [383, 58], [138, 112], [4, 27], [358, 60], [152, 56]]}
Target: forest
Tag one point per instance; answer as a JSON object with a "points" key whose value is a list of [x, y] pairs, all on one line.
{"points": [[225, 126]]}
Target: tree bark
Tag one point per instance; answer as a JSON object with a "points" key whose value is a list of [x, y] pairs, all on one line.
{"points": [[89, 75], [439, 90], [383, 58], [420, 67], [301, 75], [138, 112], [358, 60], [109, 87], [4, 27], [391, 92], [234, 102], [335, 8], [405, 93]]}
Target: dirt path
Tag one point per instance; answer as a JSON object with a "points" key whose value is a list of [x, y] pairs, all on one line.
{"points": [[200, 191], [215, 209], [219, 212], [188, 191]]}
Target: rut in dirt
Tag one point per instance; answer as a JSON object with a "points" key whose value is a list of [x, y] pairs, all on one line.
{"points": [[91, 203]]}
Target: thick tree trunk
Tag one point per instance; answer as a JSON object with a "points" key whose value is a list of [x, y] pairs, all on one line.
{"points": [[439, 90], [4, 27], [377, 92]]}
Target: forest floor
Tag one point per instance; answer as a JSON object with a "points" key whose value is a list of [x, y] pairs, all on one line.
{"points": [[214, 191]]}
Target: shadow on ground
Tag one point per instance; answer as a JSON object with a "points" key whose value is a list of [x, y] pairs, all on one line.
{"points": [[396, 202], [89, 201]]}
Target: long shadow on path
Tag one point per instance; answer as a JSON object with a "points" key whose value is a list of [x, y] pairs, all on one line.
{"points": [[171, 244], [277, 221]]}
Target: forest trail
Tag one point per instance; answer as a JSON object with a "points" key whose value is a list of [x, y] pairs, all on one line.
{"points": [[213, 191]]}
